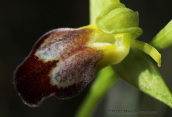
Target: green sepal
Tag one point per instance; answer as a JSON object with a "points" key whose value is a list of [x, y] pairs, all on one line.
{"points": [[163, 39], [138, 70]]}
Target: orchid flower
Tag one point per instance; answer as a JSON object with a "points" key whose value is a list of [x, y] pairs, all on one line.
{"points": [[63, 61]]}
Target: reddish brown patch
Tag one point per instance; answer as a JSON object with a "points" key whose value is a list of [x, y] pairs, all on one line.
{"points": [[32, 77], [81, 70], [70, 39], [62, 42], [32, 81]]}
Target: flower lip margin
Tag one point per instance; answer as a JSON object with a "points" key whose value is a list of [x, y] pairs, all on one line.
{"points": [[32, 79]]}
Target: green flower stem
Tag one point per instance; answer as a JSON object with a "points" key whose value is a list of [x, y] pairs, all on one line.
{"points": [[163, 39], [105, 80], [148, 49], [106, 77], [137, 69]]}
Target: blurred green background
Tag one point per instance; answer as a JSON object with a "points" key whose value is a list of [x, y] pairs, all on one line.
{"points": [[22, 22]]}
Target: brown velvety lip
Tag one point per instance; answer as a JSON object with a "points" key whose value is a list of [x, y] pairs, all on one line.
{"points": [[33, 77]]}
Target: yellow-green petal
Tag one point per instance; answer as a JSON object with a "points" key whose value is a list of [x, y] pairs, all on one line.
{"points": [[148, 49]]}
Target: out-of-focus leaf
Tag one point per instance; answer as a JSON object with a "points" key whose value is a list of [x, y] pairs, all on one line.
{"points": [[138, 70], [100, 87], [164, 38], [104, 81]]}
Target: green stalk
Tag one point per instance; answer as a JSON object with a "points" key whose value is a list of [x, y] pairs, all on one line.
{"points": [[102, 84], [136, 69], [106, 77]]}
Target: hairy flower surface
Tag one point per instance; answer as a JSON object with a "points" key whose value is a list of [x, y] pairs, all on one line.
{"points": [[64, 61]]}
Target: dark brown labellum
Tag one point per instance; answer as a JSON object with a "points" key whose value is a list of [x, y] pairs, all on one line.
{"points": [[60, 63]]}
